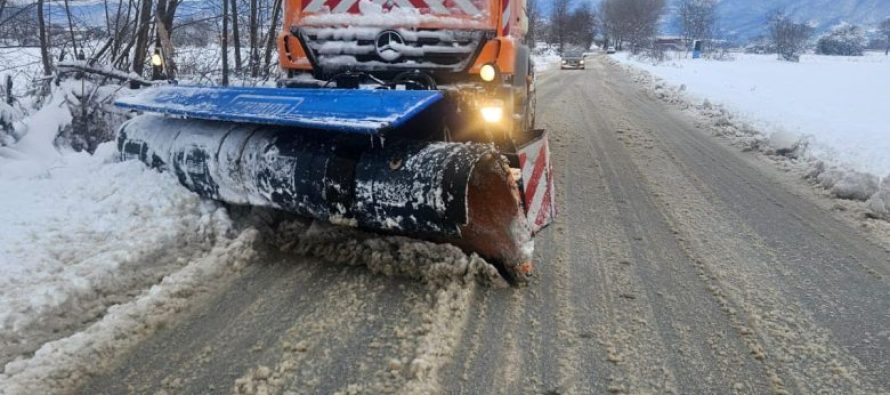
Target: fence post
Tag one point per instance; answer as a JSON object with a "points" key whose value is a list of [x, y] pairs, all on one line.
{"points": [[9, 89]]}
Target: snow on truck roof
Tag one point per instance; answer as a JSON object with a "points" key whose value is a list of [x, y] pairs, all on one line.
{"points": [[441, 13]]}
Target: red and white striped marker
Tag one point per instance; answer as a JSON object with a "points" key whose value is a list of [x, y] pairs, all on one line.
{"points": [[505, 18], [537, 176], [436, 7]]}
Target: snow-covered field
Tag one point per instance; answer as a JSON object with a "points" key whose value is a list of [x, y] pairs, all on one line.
{"points": [[840, 102], [828, 115]]}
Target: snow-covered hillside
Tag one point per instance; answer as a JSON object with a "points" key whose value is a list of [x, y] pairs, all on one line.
{"points": [[742, 19], [92, 12], [745, 18]]}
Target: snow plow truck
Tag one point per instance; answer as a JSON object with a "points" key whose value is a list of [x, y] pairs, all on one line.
{"points": [[407, 117]]}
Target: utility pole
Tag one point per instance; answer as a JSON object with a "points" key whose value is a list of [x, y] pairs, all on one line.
{"points": [[9, 89]]}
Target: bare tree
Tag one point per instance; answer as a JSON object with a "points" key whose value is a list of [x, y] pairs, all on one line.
{"points": [[698, 19], [790, 38], [581, 25], [19, 23], [236, 36], [225, 43], [270, 38], [884, 28], [128, 36], [120, 29], [166, 15], [533, 14], [254, 28], [142, 36], [71, 30], [606, 16], [632, 21], [44, 41], [559, 17]]}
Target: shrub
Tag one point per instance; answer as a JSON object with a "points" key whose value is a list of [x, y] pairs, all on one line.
{"points": [[845, 40]]}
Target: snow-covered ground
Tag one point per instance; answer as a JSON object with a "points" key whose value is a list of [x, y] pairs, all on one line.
{"points": [[841, 103], [23, 66], [546, 62], [95, 253], [546, 59], [80, 236], [826, 114], [87, 236]]}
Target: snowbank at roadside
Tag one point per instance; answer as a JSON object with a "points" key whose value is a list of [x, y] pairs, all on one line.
{"points": [[86, 234], [61, 366], [546, 60], [826, 113]]}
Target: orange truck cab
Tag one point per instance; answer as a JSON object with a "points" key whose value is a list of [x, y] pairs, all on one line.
{"points": [[472, 50]]}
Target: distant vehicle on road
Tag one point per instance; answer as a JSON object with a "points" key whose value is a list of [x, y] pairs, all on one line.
{"points": [[610, 50], [573, 60]]}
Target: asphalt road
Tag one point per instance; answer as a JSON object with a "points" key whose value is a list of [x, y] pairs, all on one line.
{"points": [[678, 265]]}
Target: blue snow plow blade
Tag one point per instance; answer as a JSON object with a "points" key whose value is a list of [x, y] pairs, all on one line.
{"points": [[344, 110]]}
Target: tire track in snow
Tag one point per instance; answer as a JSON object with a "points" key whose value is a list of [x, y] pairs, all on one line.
{"points": [[61, 366], [328, 326], [687, 337], [752, 269]]}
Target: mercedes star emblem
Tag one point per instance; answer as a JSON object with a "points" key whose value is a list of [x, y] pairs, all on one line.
{"points": [[389, 45]]}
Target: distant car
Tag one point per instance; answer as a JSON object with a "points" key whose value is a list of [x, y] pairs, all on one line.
{"points": [[610, 50], [573, 60]]}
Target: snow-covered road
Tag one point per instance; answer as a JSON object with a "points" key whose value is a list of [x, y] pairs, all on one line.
{"points": [[679, 265]]}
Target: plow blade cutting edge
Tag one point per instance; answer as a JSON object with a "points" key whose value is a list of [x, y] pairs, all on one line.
{"points": [[463, 194]]}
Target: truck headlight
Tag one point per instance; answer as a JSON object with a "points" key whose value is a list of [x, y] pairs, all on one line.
{"points": [[493, 112], [488, 73], [156, 59]]}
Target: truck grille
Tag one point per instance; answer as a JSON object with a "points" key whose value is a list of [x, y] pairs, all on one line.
{"points": [[375, 49]]}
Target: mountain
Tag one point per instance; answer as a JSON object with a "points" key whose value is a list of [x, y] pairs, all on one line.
{"points": [[739, 19], [745, 19], [92, 12]]}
